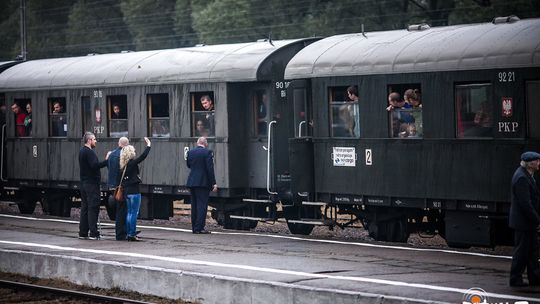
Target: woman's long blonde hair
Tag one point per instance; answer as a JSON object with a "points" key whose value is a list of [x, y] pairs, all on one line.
{"points": [[128, 153]]}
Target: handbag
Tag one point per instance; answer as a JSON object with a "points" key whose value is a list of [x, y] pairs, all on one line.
{"points": [[119, 191]]}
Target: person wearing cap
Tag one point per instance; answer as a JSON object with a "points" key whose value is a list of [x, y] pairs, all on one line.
{"points": [[525, 220]]}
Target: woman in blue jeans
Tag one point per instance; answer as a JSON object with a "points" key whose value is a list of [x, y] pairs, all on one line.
{"points": [[131, 182]]}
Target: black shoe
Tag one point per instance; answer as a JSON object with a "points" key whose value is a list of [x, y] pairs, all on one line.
{"points": [[83, 237], [133, 239], [518, 284]]}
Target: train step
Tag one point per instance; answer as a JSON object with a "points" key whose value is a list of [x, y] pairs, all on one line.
{"points": [[312, 222], [252, 200], [250, 218]]}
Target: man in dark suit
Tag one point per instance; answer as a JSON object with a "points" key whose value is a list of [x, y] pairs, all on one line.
{"points": [[200, 181], [525, 220], [113, 164]]}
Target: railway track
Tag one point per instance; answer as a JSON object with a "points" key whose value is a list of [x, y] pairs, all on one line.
{"points": [[39, 293]]}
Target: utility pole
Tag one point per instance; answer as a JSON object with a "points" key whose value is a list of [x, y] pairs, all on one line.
{"points": [[22, 56]]}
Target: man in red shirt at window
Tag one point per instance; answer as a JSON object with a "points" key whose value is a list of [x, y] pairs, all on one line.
{"points": [[20, 130]]}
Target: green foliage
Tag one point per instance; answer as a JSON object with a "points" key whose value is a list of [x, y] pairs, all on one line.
{"points": [[91, 29], [9, 29], [225, 20], [150, 22], [58, 28], [469, 11], [185, 34], [46, 27]]}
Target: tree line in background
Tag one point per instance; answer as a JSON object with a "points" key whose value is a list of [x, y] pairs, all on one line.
{"points": [[60, 28]]}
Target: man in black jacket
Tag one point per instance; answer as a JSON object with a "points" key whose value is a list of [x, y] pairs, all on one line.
{"points": [[525, 220], [200, 181], [89, 166]]}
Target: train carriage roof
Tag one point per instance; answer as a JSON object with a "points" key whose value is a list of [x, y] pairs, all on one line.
{"points": [[450, 48], [215, 63]]}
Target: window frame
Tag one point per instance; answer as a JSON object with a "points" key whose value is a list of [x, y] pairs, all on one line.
{"points": [[343, 106], [111, 102], [481, 132], [21, 102], [402, 131], [257, 101], [151, 119], [50, 102], [197, 109]]}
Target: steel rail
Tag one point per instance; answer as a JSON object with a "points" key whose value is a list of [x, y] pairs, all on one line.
{"points": [[67, 292]]}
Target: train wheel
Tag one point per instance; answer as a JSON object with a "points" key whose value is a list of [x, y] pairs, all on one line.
{"points": [[110, 205], [58, 205], [394, 230], [295, 213], [28, 204], [397, 230], [66, 207]]}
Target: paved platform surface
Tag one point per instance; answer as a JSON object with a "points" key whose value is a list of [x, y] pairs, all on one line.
{"points": [[243, 267]]}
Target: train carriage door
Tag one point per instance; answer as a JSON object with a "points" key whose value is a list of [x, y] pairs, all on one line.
{"points": [[301, 144], [533, 109]]}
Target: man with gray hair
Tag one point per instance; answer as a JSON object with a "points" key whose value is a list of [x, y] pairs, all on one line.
{"points": [[89, 166], [113, 165], [200, 181], [525, 220]]}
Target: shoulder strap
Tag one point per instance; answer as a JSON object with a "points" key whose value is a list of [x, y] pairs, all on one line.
{"points": [[125, 167]]}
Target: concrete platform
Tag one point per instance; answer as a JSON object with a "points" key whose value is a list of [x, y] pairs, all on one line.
{"points": [[243, 267]]}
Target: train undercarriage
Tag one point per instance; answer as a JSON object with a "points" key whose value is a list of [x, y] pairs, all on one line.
{"points": [[391, 224]]}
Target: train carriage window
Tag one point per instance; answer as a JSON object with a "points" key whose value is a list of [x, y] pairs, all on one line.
{"points": [[302, 119], [23, 122], [261, 112], [344, 112], [405, 111], [118, 122], [474, 110], [57, 117], [203, 114], [158, 115]]}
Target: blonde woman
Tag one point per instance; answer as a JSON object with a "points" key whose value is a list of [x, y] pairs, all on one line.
{"points": [[131, 182]]}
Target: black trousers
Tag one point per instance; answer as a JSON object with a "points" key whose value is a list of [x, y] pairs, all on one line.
{"points": [[90, 201], [120, 221], [199, 207], [525, 256]]}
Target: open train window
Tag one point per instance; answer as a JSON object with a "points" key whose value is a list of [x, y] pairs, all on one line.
{"points": [[158, 115], [57, 117], [405, 110], [23, 117], [261, 111], [474, 110], [118, 123], [202, 114], [344, 113]]}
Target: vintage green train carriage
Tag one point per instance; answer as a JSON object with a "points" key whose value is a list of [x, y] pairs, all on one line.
{"points": [[157, 94], [443, 166]]}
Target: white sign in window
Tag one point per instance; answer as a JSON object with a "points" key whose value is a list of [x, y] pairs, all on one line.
{"points": [[344, 156]]}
